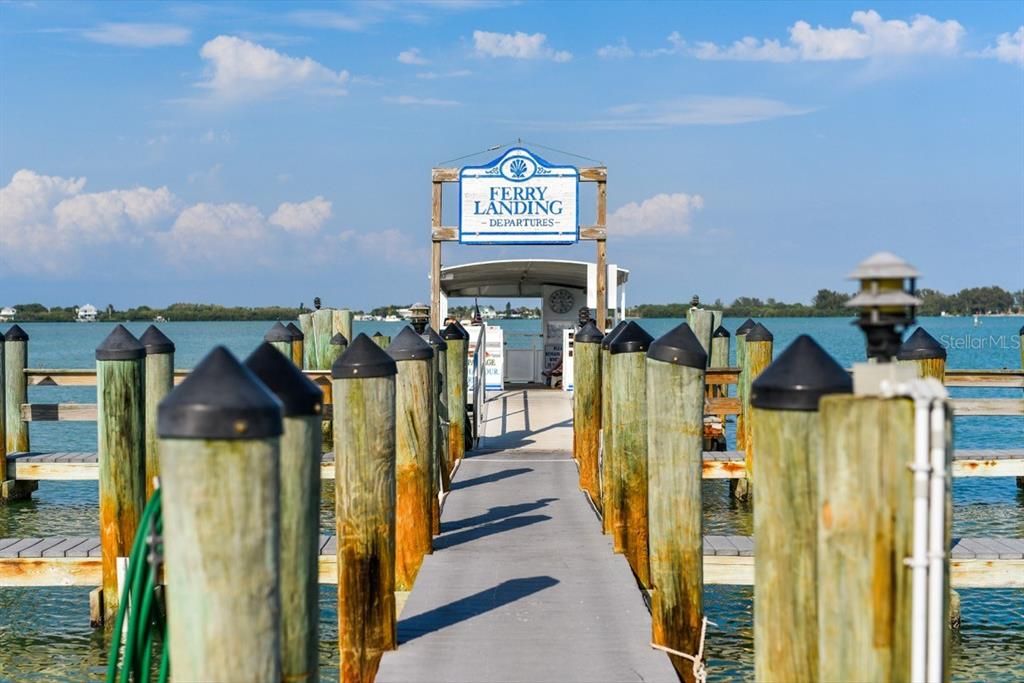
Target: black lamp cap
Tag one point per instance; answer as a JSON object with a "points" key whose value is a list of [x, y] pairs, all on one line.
{"points": [[296, 332], [799, 377], [679, 346], [455, 331], [120, 344], [363, 358], [156, 341], [16, 334], [220, 399], [759, 333], [721, 332], [632, 339], [589, 334], [278, 333], [745, 327], [921, 346], [339, 340], [610, 337], [431, 336], [297, 394], [409, 346]]}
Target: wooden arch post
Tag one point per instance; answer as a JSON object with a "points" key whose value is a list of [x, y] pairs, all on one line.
{"points": [[596, 233]]}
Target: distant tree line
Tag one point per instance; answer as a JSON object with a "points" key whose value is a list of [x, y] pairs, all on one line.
{"points": [[177, 312]]}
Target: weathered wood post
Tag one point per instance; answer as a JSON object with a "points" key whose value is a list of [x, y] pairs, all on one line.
{"points": [[220, 435], [442, 477], [121, 431], [925, 353], [1020, 480], [364, 461], [675, 441], [701, 322], [611, 499], [342, 322], [298, 344], [5, 483], [457, 339], [381, 340], [741, 362], [719, 358], [335, 348], [159, 382], [414, 462], [629, 416], [299, 493], [306, 326], [280, 337], [586, 413], [757, 355], [787, 432], [16, 387], [318, 341]]}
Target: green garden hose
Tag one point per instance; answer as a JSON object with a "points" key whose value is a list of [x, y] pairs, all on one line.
{"points": [[146, 627]]}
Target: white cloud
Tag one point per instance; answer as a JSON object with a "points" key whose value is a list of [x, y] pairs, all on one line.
{"points": [[138, 35], [411, 101], [434, 75], [662, 214], [676, 45], [517, 46], [240, 69], [307, 216], [217, 234], [622, 50], [1009, 48], [870, 37], [412, 56], [335, 20]]}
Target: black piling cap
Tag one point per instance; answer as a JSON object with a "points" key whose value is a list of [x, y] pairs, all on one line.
{"points": [[759, 333], [610, 337], [363, 358], [589, 334], [921, 346], [16, 334], [799, 377], [297, 394], [720, 332], [156, 341], [434, 339], [220, 399], [377, 334], [2, 337], [632, 339], [120, 344], [409, 346], [339, 340], [745, 327], [455, 331], [679, 346], [278, 333], [296, 332]]}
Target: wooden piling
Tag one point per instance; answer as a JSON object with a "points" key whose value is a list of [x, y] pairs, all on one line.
{"points": [[299, 489], [675, 438], [457, 339], [611, 499], [298, 344], [220, 433], [414, 466], [925, 353], [381, 340], [865, 534], [3, 422], [741, 362], [757, 355], [335, 348], [1020, 480], [629, 416], [719, 358], [786, 429], [342, 322], [306, 326], [364, 449], [318, 341], [15, 388], [586, 414], [159, 382], [11, 489], [280, 337], [701, 323], [121, 430], [442, 472]]}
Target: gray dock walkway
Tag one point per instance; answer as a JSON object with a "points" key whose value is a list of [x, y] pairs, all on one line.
{"points": [[522, 585]]}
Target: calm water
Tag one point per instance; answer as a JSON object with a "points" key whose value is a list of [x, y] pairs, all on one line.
{"points": [[45, 633]]}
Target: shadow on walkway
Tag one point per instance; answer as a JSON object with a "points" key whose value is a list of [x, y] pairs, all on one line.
{"points": [[488, 478], [495, 513], [471, 606], [451, 540]]}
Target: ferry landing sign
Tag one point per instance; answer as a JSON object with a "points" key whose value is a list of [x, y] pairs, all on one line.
{"points": [[518, 198]]}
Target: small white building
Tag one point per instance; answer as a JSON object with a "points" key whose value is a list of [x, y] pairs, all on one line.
{"points": [[7, 314], [87, 314]]}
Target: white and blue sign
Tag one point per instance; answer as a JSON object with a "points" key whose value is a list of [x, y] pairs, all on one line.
{"points": [[518, 198]]}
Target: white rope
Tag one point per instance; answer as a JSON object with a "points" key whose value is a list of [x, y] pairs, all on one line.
{"points": [[700, 673]]}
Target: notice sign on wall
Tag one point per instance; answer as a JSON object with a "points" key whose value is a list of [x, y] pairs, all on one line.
{"points": [[518, 198]]}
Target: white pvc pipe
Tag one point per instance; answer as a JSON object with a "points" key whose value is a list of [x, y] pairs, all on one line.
{"points": [[919, 559], [937, 544]]}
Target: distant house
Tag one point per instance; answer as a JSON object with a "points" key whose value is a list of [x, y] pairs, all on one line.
{"points": [[488, 312], [7, 314], [87, 314]]}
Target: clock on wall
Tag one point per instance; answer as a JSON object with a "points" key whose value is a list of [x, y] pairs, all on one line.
{"points": [[561, 301]]}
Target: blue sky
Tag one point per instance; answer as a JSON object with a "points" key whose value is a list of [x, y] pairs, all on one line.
{"points": [[272, 152]]}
